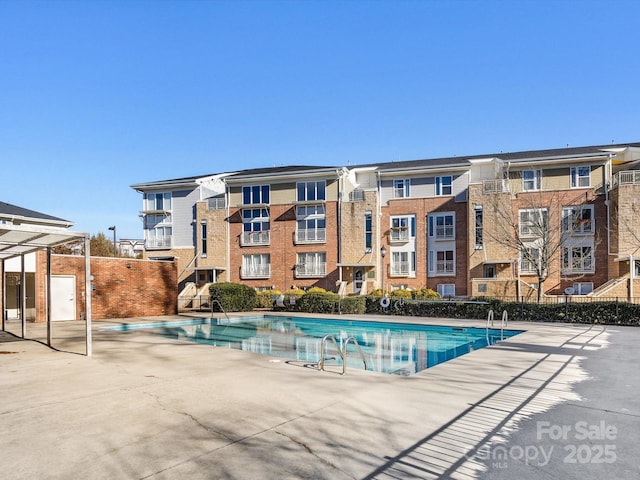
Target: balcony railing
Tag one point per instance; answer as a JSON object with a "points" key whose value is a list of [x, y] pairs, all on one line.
{"points": [[400, 269], [158, 243], [315, 235], [445, 266], [258, 271], [216, 203], [399, 235], [444, 232], [356, 196], [311, 270], [495, 186], [627, 177], [255, 238]]}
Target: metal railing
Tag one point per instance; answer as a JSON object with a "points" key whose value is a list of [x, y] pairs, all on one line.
{"points": [[311, 235], [495, 186], [342, 352], [255, 238], [626, 177]]}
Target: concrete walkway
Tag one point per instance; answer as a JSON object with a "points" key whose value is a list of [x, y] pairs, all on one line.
{"points": [[147, 407]]}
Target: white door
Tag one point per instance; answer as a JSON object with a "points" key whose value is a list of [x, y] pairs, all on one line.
{"points": [[63, 297]]}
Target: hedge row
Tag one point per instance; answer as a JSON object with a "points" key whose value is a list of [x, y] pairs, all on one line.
{"points": [[609, 313], [237, 297]]}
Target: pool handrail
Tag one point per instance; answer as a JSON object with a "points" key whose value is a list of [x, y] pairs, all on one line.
{"points": [[322, 344], [354, 340]]}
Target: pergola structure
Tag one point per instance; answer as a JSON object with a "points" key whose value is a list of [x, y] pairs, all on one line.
{"points": [[20, 240]]}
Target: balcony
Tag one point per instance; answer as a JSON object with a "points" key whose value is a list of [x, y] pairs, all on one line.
{"points": [[311, 270], [356, 196], [316, 235], [495, 186], [627, 177], [250, 239], [216, 203], [158, 243], [400, 269], [399, 235], [444, 267], [445, 232], [256, 271]]}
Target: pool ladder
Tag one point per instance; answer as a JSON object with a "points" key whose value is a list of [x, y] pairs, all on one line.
{"points": [[342, 353], [503, 323], [216, 301]]}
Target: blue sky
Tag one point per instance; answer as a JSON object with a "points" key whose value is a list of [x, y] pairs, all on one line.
{"points": [[98, 95]]}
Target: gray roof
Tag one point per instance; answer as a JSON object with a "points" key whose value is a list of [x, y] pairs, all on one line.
{"points": [[9, 210]]}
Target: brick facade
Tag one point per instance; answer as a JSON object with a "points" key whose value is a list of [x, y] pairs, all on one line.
{"points": [[123, 287]]}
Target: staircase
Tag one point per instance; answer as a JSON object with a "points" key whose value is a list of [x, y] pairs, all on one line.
{"points": [[606, 289]]}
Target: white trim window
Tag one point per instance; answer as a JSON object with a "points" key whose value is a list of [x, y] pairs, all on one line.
{"points": [[402, 228], [311, 264], [442, 226], [444, 185], [157, 231], [311, 224], [403, 264], [446, 290], [255, 226], [442, 262], [578, 220], [530, 259], [311, 191], [533, 222], [368, 231], [479, 243], [401, 188], [577, 259], [158, 202], [581, 176], [203, 238], [257, 265], [531, 180]]}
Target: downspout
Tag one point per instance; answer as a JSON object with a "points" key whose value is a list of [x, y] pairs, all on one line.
{"points": [[378, 229], [339, 222], [607, 202], [227, 201]]}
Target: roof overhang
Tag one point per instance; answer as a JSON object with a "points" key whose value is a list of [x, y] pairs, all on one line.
{"points": [[355, 265], [16, 240], [500, 261]]}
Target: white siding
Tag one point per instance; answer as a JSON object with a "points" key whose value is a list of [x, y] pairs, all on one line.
{"points": [[183, 205]]}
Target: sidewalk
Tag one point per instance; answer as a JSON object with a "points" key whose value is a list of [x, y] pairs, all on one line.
{"points": [[148, 407]]}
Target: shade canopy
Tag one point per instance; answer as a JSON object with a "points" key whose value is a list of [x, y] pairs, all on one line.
{"points": [[16, 240]]}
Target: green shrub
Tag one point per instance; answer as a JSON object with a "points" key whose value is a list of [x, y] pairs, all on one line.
{"points": [[234, 297], [355, 304], [326, 302], [267, 298], [425, 294]]}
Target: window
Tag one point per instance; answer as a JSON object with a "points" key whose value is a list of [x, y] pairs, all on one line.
{"points": [[531, 180], [255, 226], [368, 232], [157, 231], [255, 194], [311, 224], [577, 259], [442, 226], [256, 265], [578, 220], [533, 222], [313, 264], [478, 227], [489, 270], [580, 177], [582, 288], [403, 264], [310, 191], [402, 228], [447, 290], [442, 262], [401, 188], [203, 229], [530, 259], [443, 185], [158, 202]]}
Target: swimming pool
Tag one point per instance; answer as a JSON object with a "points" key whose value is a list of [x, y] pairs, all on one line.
{"points": [[396, 348]]}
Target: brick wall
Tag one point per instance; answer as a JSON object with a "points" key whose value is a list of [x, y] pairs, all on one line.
{"points": [[123, 287]]}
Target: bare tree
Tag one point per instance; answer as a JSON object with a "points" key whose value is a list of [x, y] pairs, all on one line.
{"points": [[538, 226]]}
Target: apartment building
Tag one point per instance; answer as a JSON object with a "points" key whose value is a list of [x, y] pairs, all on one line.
{"points": [[557, 221]]}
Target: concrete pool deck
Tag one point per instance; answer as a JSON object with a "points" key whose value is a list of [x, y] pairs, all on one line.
{"points": [[558, 401]]}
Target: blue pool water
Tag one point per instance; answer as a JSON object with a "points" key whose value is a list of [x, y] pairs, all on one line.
{"points": [[401, 349]]}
